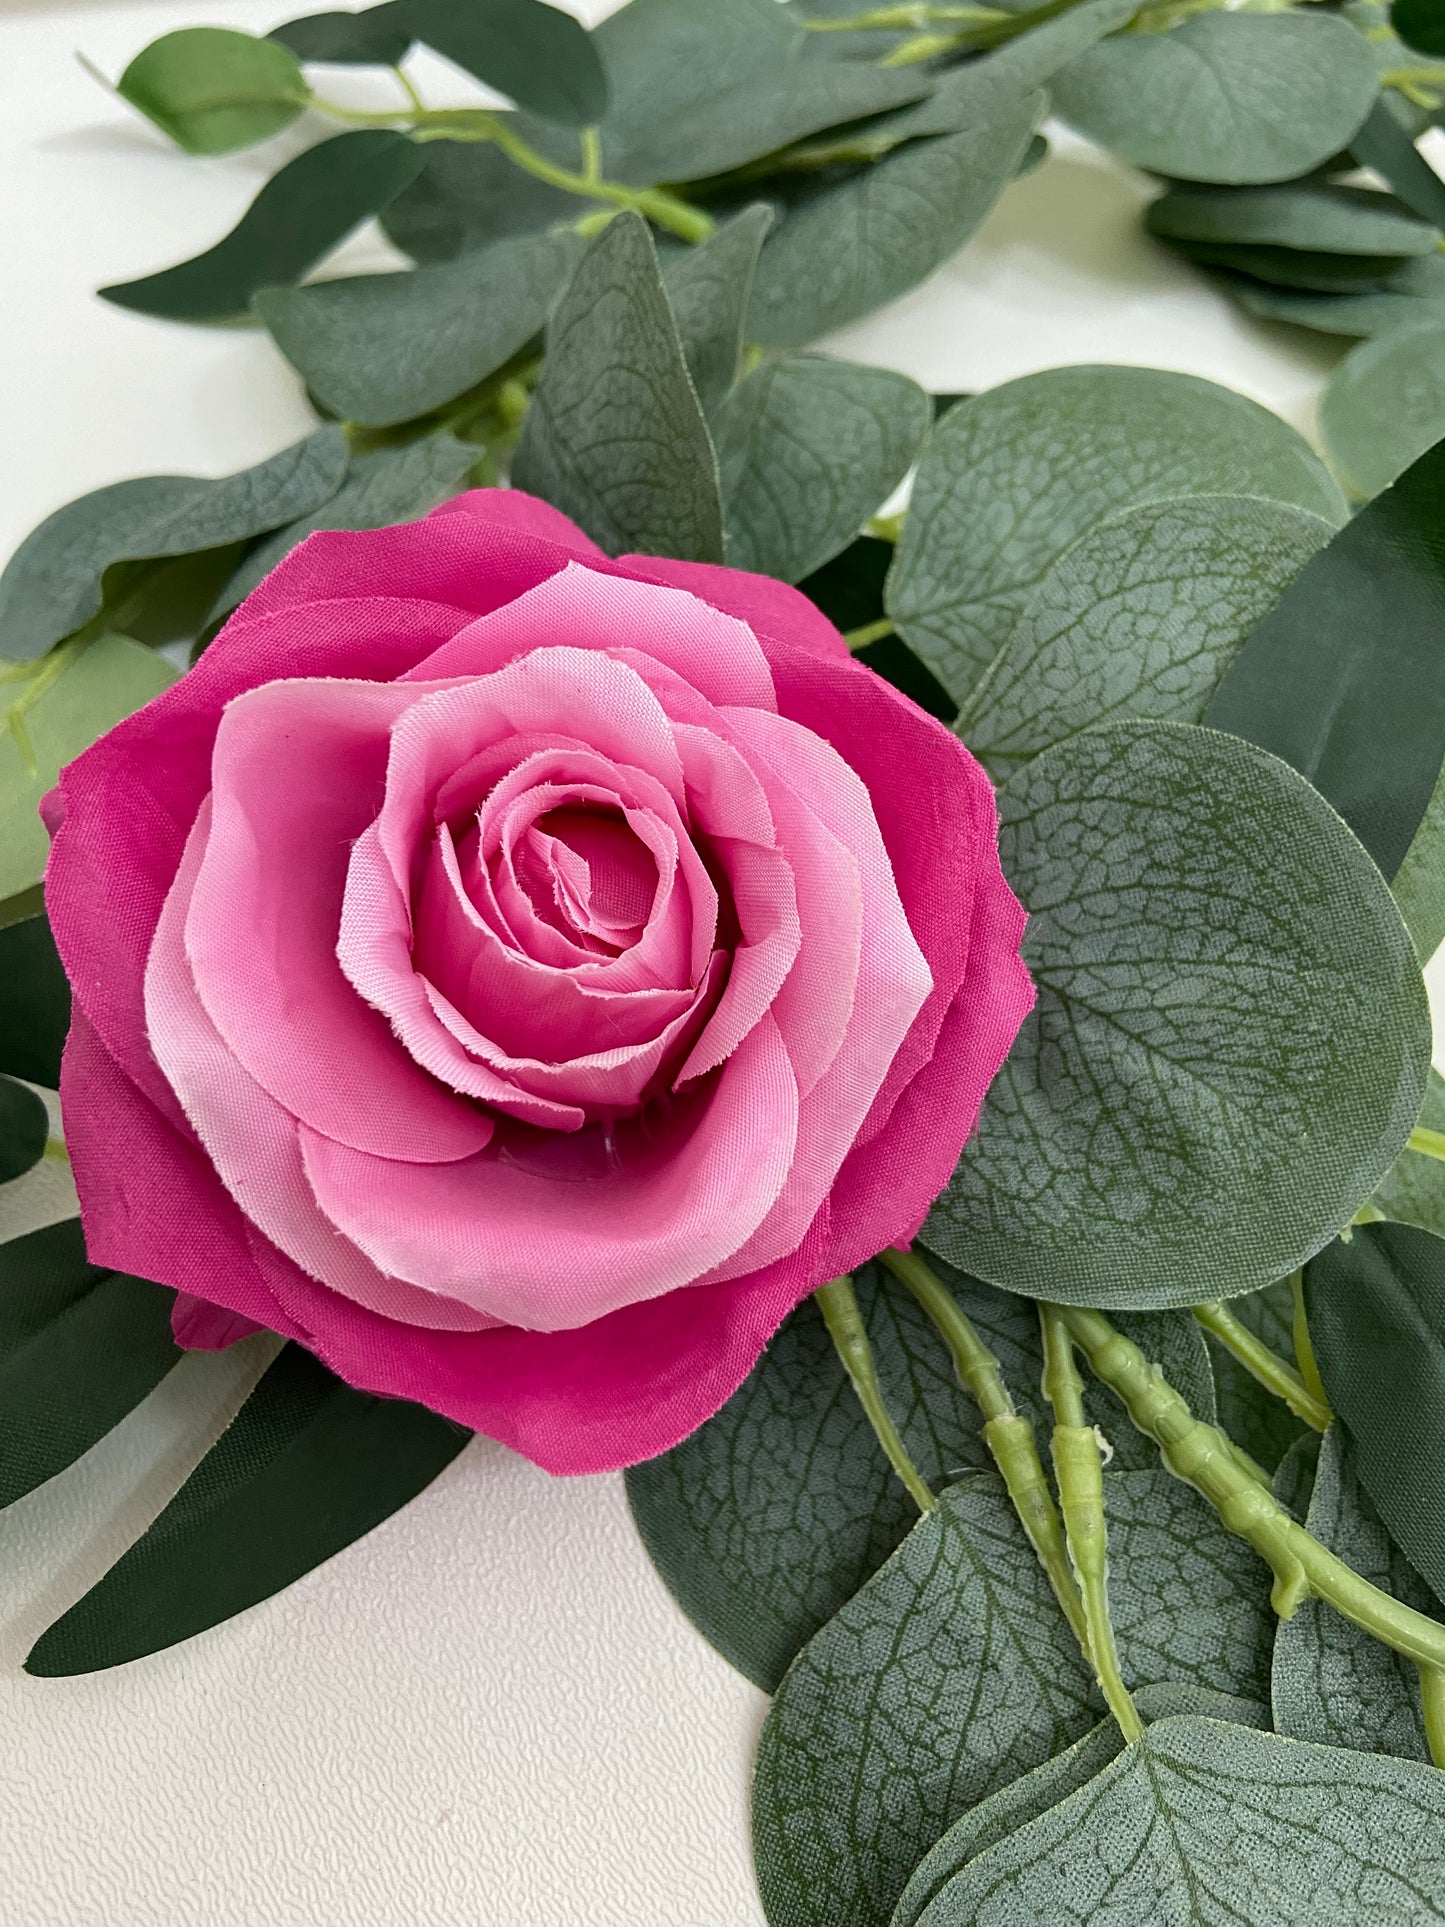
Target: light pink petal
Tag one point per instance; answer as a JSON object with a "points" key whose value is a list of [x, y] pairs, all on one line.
{"points": [[537, 1245], [514, 509], [772, 610]]}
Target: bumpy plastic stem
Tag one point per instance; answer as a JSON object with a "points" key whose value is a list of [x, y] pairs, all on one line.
{"points": [[1264, 1365], [838, 1303]]}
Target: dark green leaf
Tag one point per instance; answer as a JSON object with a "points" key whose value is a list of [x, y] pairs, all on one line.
{"points": [[34, 1002], [79, 1348], [1377, 1320], [1217, 1825], [1224, 97], [468, 195], [24, 1128], [213, 90], [1230, 1041], [807, 449], [849, 591], [1294, 1476], [1314, 273], [1385, 405], [301, 214], [54, 581], [1414, 1191], [1010, 479], [382, 348], [1387, 146], [374, 37], [1345, 677], [1420, 24], [1253, 1417], [615, 435], [1415, 291], [708, 288], [539, 56], [1419, 883], [1140, 618], [1333, 1683], [1301, 214], [307, 1466]]}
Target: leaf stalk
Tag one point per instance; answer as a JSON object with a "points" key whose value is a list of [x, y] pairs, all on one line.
{"points": [[838, 1303], [1264, 1366]]}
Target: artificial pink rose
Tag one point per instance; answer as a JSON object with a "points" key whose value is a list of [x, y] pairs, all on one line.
{"points": [[521, 976]]}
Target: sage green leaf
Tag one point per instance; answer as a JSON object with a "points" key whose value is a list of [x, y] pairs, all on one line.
{"points": [[301, 214], [384, 486], [1388, 146], [1419, 883], [541, 57], [1034, 1793], [24, 1127], [1294, 1476], [375, 37], [1415, 291], [213, 90], [1253, 1416], [1376, 1310], [95, 689], [1413, 1192], [383, 348], [807, 449], [1334, 1684], [1313, 272], [845, 246], [1301, 214], [34, 1002], [1141, 617], [469, 195], [55, 581], [1230, 1041], [615, 435], [708, 288], [1010, 479], [1231, 98], [1385, 405], [79, 1348], [307, 1466], [1207, 1824], [1420, 24], [1345, 677]]}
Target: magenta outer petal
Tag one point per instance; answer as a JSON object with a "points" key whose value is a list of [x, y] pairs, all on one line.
{"points": [[513, 508], [200, 1327], [772, 609]]}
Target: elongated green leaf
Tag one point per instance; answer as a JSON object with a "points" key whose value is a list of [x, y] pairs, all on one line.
{"points": [[1414, 292], [1216, 1825], [34, 1002], [24, 1128], [1230, 1042], [1294, 1476], [843, 247], [382, 348], [952, 1671], [374, 37], [1010, 479], [1302, 214], [469, 195], [1386, 145], [1414, 1191], [1309, 270], [385, 485], [615, 435], [1252, 1416], [109, 681], [1385, 405], [307, 1466], [1419, 883], [1334, 1684], [1141, 617], [55, 581], [1228, 98], [708, 288], [213, 90], [807, 450], [301, 214], [79, 1348], [1377, 1319], [543, 58], [1345, 677]]}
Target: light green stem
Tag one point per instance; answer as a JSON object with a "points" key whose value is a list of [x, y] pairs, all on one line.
{"points": [[1263, 1365], [1432, 1706], [903, 19], [1304, 1351], [54, 1148], [870, 632], [1007, 1434], [1079, 1470], [1427, 1144], [839, 1305]]}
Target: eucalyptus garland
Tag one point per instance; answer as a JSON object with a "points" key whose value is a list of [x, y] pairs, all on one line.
{"points": [[1091, 1546]]}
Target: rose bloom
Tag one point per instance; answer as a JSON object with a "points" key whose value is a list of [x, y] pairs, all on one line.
{"points": [[521, 976]]}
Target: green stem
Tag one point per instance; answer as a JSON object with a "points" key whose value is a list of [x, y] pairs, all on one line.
{"points": [[1263, 1365], [839, 1305], [54, 1148], [1432, 1705], [1008, 1436], [903, 19], [1304, 1351], [870, 632], [418, 105], [1427, 1144], [1079, 1470]]}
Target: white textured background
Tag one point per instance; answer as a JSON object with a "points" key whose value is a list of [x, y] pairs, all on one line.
{"points": [[488, 1713]]}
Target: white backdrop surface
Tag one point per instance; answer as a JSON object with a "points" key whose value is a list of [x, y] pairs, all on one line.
{"points": [[488, 1713]]}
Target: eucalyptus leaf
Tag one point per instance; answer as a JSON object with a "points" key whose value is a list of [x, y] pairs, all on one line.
{"points": [[1414, 1191], [708, 288], [55, 581], [1385, 405], [1141, 617], [1294, 1477], [79, 1348], [1230, 1042], [1207, 1824], [1302, 268], [307, 1466], [615, 435], [301, 214], [1386, 145], [383, 348], [374, 37], [1011, 478], [1301, 214], [24, 1127], [1376, 1310], [469, 195], [1418, 885], [544, 59], [1334, 1684], [1233, 97], [1415, 291], [807, 449], [1255, 1417], [213, 90], [34, 1002]]}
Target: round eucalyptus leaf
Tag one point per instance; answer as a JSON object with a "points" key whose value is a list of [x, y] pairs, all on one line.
{"points": [[1299, 214], [213, 90], [1385, 405], [375, 37]]}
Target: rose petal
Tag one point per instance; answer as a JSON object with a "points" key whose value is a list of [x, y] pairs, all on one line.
{"points": [[770, 609]]}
